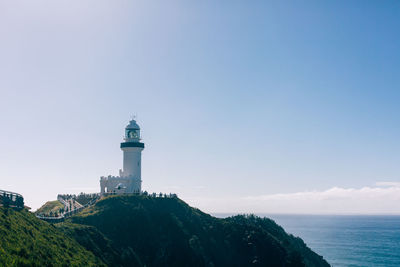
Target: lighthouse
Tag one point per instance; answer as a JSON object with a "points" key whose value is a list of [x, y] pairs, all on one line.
{"points": [[130, 179]]}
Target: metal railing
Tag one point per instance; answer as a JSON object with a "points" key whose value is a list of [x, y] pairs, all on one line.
{"points": [[11, 199], [63, 216]]}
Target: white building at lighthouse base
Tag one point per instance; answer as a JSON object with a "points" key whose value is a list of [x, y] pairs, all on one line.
{"points": [[120, 185]]}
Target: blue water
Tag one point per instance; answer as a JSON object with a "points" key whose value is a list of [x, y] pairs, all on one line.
{"points": [[347, 240]]}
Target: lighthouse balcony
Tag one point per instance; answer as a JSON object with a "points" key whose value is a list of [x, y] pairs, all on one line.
{"points": [[132, 144]]}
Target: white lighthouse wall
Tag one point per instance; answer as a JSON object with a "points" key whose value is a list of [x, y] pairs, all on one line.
{"points": [[132, 162]]}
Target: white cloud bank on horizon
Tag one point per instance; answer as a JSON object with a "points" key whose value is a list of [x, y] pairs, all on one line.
{"points": [[382, 198]]}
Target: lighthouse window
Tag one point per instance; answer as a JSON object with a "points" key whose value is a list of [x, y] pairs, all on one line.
{"points": [[133, 134]]}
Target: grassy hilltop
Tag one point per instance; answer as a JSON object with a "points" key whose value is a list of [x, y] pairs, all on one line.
{"points": [[141, 230], [145, 231], [50, 207]]}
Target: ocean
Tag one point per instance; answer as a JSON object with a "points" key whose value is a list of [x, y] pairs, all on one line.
{"points": [[346, 240]]}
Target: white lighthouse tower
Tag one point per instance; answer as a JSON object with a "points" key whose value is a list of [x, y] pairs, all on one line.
{"points": [[129, 180]]}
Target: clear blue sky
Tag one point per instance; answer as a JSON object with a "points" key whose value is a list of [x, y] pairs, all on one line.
{"points": [[239, 101]]}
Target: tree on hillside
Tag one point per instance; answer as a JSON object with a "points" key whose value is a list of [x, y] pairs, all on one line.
{"points": [[19, 202], [6, 201]]}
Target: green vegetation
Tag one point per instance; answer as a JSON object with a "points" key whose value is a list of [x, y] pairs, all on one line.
{"points": [[50, 208], [147, 231], [84, 199], [28, 241], [143, 230]]}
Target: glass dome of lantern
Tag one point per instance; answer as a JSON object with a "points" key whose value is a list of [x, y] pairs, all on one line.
{"points": [[132, 132]]}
